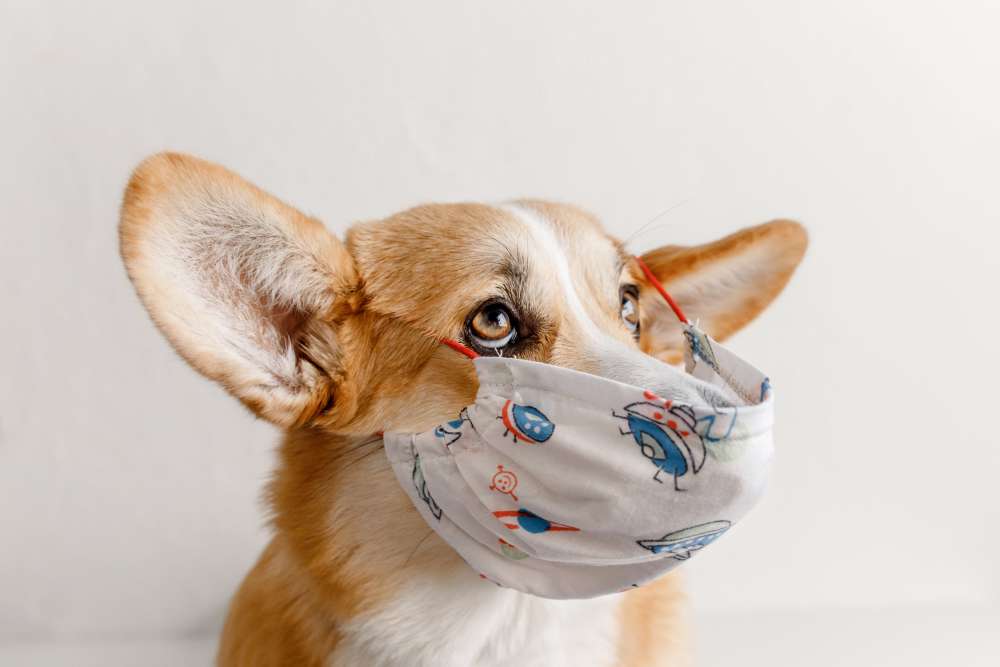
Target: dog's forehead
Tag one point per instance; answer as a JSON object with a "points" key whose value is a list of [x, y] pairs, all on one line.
{"points": [[565, 244], [574, 234], [441, 255]]}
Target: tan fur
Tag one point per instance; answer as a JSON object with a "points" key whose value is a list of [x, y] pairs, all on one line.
{"points": [[336, 341], [755, 265], [184, 216], [277, 618], [651, 617]]}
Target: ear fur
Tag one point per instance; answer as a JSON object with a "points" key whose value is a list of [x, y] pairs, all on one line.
{"points": [[246, 288], [722, 285]]}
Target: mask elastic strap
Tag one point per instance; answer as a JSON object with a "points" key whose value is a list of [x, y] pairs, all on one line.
{"points": [[662, 290], [458, 347], [471, 354]]}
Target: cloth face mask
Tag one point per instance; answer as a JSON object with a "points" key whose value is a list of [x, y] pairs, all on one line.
{"points": [[568, 485]]}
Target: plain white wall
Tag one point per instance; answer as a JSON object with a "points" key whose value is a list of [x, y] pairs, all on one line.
{"points": [[129, 486]]}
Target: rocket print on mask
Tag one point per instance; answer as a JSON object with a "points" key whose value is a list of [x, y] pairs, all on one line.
{"points": [[530, 522], [680, 544], [526, 423], [666, 435]]}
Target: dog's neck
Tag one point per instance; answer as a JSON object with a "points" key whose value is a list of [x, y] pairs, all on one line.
{"points": [[454, 618], [405, 598]]}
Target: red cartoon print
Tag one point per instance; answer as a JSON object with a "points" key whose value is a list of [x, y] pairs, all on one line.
{"points": [[504, 481]]}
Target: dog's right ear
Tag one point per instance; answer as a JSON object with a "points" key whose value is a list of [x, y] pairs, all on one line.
{"points": [[247, 289]]}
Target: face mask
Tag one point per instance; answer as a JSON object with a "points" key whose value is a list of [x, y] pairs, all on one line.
{"points": [[568, 485]]}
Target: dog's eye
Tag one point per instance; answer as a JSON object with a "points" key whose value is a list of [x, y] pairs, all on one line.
{"points": [[492, 326], [630, 309]]}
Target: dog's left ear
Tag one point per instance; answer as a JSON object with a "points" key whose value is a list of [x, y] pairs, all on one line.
{"points": [[721, 286]]}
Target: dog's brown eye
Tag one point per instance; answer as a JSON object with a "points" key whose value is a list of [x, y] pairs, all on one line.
{"points": [[492, 327], [630, 310]]}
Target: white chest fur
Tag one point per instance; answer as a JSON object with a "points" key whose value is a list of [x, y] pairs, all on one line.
{"points": [[461, 621]]}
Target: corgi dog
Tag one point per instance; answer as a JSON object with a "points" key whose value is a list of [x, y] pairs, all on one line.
{"points": [[337, 340]]}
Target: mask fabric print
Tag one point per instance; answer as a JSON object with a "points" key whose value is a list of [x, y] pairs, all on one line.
{"points": [[564, 484]]}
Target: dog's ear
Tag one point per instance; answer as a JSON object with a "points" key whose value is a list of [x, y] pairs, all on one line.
{"points": [[247, 289], [721, 285]]}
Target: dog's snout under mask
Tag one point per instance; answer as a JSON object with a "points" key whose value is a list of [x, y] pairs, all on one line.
{"points": [[570, 485]]}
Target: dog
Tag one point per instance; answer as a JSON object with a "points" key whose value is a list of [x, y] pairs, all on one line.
{"points": [[336, 341]]}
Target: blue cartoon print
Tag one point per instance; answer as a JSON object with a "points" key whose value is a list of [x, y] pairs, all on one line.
{"points": [[451, 431], [680, 544], [765, 389], [718, 426], [526, 423], [420, 484], [666, 435], [700, 346]]}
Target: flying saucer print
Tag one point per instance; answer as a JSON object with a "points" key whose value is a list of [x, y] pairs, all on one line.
{"points": [[530, 522], [665, 434], [680, 544]]}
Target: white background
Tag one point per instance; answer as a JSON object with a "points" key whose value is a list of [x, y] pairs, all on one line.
{"points": [[129, 486]]}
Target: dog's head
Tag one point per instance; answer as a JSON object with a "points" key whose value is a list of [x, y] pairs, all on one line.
{"points": [[309, 330], [340, 337]]}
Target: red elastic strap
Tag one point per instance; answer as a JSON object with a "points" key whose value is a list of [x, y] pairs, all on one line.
{"points": [[458, 347], [662, 290]]}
